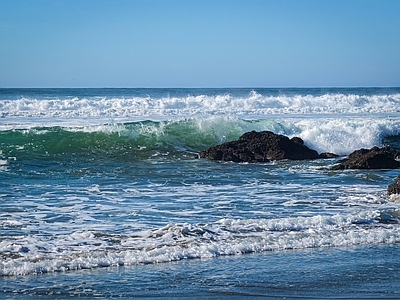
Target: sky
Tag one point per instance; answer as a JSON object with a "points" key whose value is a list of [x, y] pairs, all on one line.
{"points": [[199, 43]]}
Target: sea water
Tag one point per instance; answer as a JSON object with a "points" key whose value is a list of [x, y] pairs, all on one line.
{"points": [[102, 195]]}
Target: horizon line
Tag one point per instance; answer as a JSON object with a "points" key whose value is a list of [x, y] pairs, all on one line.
{"points": [[205, 87]]}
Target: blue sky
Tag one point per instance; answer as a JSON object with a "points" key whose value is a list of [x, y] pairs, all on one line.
{"points": [[188, 43]]}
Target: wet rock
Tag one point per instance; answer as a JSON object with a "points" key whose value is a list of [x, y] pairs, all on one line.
{"points": [[328, 155], [394, 188], [374, 158], [262, 146]]}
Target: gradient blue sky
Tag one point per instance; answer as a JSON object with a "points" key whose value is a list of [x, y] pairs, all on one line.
{"points": [[188, 43]]}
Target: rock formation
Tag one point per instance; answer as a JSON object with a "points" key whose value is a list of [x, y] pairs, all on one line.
{"points": [[394, 188], [374, 158], [262, 146]]}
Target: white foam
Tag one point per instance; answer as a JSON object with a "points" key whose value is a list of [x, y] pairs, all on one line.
{"points": [[338, 123], [344, 135], [253, 104], [10, 223], [3, 162], [92, 249]]}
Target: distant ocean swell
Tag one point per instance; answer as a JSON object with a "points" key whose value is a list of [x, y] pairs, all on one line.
{"points": [[92, 249]]}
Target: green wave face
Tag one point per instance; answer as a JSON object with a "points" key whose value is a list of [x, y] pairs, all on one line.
{"points": [[134, 140], [177, 138]]}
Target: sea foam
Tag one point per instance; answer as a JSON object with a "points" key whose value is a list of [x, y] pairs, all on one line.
{"points": [[186, 106], [330, 122], [174, 242]]}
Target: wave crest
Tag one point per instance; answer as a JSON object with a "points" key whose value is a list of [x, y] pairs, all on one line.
{"points": [[253, 103], [93, 249], [144, 138]]}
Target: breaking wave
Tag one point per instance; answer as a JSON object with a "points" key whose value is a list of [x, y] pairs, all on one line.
{"points": [[142, 138], [163, 104], [93, 249]]}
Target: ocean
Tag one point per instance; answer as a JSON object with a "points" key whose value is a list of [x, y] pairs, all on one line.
{"points": [[103, 195]]}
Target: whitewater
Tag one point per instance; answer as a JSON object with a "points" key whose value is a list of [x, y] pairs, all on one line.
{"points": [[365, 118], [105, 185]]}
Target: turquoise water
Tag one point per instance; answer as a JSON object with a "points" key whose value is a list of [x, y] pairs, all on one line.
{"points": [[102, 194]]}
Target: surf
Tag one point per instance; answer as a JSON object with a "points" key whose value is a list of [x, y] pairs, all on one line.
{"points": [[153, 103], [174, 242], [337, 135]]}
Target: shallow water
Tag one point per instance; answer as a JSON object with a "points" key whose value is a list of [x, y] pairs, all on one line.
{"points": [[335, 273]]}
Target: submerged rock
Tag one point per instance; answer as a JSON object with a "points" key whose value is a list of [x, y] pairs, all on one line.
{"points": [[394, 188], [262, 146], [374, 158]]}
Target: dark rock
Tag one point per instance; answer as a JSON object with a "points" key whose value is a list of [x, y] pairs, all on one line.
{"points": [[374, 158], [262, 146], [328, 155], [297, 140], [394, 188]]}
